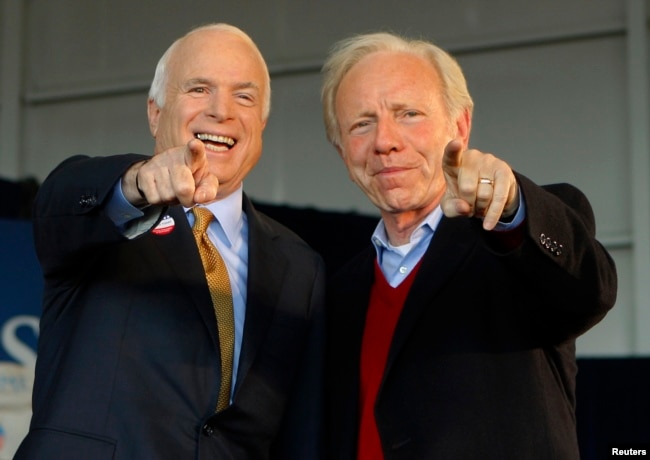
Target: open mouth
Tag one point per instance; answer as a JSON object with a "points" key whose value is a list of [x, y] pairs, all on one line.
{"points": [[216, 143]]}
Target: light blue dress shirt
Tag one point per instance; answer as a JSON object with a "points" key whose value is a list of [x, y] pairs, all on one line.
{"points": [[228, 232], [397, 262]]}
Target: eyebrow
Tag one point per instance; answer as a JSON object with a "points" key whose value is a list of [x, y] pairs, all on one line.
{"points": [[370, 113], [247, 85], [208, 82]]}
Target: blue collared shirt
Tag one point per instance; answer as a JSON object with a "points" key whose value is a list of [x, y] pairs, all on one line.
{"points": [[228, 232], [397, 262]]}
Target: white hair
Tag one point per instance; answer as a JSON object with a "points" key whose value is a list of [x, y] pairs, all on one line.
{"points": [[348, 52], [157, 90]]}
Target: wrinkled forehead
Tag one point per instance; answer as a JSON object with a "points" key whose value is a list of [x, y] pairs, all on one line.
{"points": [[388, 73], [403, 63]]}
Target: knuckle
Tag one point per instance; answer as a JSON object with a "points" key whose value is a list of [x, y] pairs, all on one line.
{"points": [[184, 189], [466, 188]]}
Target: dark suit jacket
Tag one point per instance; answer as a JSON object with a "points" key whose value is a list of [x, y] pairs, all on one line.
{"points": [[128, 362], [482, 362]]}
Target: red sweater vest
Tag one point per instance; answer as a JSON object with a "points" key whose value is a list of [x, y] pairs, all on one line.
{"points": [[385, 306]]}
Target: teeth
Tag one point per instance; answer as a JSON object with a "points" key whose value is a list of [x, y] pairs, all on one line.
{"points": [[221, 139]]}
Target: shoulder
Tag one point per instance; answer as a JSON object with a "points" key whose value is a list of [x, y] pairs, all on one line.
{"points": [[280, 231], [359, 267], [559, 197], [263, 228], [568, 193], [79, 167]]}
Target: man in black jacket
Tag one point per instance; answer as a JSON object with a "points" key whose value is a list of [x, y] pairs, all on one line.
{"points": [[130, 360], [453, 335]]}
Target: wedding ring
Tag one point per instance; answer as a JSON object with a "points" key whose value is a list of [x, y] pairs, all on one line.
{"points": [[485, 180]]}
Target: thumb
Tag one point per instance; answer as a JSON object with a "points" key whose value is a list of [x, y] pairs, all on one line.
{"points": [[206, 189]]}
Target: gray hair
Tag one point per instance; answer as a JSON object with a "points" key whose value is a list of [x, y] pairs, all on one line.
{"points": [[348, 52], [157, 90]]}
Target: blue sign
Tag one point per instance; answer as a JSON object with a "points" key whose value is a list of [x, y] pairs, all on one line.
{"points": [[21, 289]]}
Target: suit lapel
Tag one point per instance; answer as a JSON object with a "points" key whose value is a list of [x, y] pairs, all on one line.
{"points": [[179, 249], [266, 271], [450, 245], [348, 298], [354, 304]]}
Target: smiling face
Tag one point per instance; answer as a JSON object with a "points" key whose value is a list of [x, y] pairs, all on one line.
{"points": [[394, 128], [216, 90]]}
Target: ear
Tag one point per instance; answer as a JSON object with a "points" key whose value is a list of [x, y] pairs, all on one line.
{"points": [[340, 151], [153, 114], [343, 156], [464, 126]]}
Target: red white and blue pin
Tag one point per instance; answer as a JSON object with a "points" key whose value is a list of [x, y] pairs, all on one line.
{"points": [[165, 226]]}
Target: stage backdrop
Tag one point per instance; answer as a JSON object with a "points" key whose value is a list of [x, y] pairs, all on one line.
{"points": [[20, 301]]}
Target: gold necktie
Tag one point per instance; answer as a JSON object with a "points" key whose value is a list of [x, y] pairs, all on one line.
{"points": [[219, 283]]}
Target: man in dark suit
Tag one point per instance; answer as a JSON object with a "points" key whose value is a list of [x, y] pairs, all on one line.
{"points": [[129, 361], [453, 335]]}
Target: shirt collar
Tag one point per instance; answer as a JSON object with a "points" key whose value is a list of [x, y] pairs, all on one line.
{"points": [[228, 213], [428, 225]]}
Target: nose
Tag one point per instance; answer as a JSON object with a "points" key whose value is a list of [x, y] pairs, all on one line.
{"points": [[388, 138], [219, 106]]}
